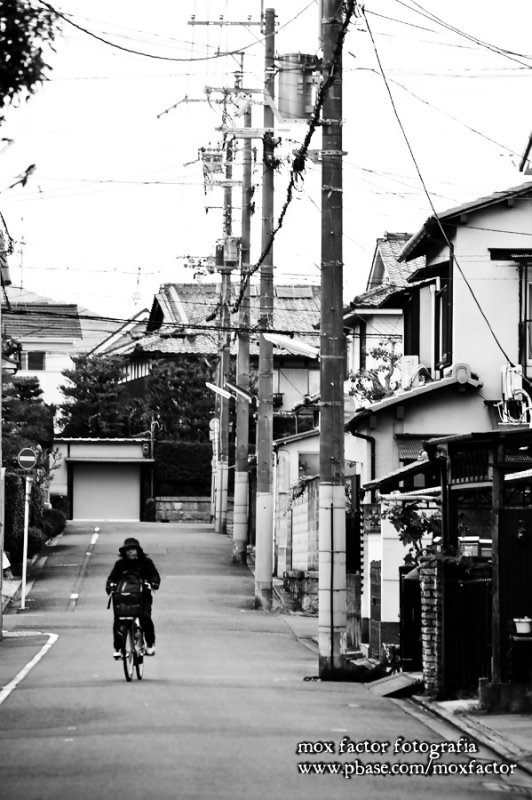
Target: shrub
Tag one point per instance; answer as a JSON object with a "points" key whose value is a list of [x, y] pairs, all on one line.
{"points": [[36, 541], [55, 519], [14, 517], [149, 510]]}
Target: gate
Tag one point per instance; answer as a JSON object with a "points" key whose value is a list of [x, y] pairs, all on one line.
{"points": [[410, 620], [467, 627]]}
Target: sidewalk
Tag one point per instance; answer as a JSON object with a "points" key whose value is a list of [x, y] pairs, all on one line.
{"points": [[507, 735]]}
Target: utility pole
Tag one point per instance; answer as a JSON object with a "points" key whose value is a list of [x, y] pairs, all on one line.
{"points": [[332, 617], [223, 367], [241, 491], [264, 516]]}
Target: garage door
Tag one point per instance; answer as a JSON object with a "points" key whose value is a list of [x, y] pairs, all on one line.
{"points": [[106, 491]]}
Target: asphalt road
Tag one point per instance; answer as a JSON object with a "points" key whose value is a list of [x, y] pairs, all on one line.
{"points": [[222, 708]]}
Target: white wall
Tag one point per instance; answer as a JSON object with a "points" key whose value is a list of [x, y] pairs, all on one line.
{"points": [[496, 287]]}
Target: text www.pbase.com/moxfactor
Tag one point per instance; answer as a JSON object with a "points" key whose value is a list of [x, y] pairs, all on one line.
{"points": [[357, 768]]}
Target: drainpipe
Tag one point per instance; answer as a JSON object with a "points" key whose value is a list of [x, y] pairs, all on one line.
{"points": [[371, 440]]}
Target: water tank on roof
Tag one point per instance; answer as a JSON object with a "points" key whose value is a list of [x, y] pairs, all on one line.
{"points": [[296, 84]]}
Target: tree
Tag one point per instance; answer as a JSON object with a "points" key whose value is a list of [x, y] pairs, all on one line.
{"points": [[178, 398], [25, 31], [26, 420], [96, 404], [378, 381]]}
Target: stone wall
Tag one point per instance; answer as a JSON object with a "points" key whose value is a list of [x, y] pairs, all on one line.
{"points": [[182, 509], [431, 624]]}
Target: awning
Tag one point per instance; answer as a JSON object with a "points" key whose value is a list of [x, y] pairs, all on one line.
{"points": [[418, 467]]}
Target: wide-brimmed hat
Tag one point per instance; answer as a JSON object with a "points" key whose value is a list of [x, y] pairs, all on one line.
{"points": [[128, 543]]}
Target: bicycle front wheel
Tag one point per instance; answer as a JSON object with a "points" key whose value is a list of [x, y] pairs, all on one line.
{"points": [[128, 651], [139, 653]]}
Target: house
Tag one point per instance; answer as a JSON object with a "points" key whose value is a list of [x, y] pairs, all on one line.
{"points": [[372, 318], [49, 333], [376, 316], [466, 324], [184, 321]]}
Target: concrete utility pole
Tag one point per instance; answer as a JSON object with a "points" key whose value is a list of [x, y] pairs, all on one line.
{"points": [[241, 492], [332, 560], [225, 299], [264, 516]]}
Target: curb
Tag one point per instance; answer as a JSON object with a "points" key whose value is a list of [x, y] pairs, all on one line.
{"points": [[40, 556], [480, 733]]}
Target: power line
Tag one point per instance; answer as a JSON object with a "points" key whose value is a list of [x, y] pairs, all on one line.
{"points": [[188, 59], [481, 43], [429, 198]]}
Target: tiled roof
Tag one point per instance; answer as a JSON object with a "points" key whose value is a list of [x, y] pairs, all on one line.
{"points": [[389, 248], [180, 324], [42, 320], [375, 297]]}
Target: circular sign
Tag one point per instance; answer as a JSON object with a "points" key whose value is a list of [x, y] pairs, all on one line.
{"points": [[27, 458]]}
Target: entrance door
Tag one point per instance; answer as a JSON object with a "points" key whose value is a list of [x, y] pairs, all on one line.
{"points": [[106, 492]]}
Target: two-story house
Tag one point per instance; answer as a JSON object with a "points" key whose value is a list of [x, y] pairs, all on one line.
{"points": [[466, 323], [49, 334]]}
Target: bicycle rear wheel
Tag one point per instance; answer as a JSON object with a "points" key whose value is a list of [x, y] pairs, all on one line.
{"points": [[139, 652], [128, 650]]}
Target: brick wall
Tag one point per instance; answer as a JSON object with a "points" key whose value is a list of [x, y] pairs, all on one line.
{"points": [[431, 624]]}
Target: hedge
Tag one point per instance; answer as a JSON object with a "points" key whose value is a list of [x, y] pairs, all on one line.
{"points": [[14, 517], [182, 469]]}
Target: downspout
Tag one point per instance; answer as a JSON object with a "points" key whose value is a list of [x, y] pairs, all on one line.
{"points": [[371, 440]]}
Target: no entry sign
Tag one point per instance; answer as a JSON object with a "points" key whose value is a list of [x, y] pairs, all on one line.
{"points": [[27, 458]]}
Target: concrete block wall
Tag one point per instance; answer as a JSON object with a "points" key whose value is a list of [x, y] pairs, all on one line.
{"points": [[182, 509]]}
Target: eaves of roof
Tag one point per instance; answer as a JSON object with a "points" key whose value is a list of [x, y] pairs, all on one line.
{"points": [[418, 244], [413, 394], [296, 437]]}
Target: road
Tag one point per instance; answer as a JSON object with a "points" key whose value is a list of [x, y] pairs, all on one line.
{"points": [[223, 707]]}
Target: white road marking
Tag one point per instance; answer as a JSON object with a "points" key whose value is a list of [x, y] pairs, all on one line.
{"points": [[12, 685]]}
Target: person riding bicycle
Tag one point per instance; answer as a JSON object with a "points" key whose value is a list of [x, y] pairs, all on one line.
{"points": [[133, 559]]}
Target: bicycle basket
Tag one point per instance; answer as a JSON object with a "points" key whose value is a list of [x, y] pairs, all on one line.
{"points": [[128, 598]]}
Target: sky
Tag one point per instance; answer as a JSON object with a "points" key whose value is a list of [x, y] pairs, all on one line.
{"points": [[117, 202]]}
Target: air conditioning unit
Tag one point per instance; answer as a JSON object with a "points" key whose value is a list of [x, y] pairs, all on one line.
{"points": [[409, 367], [511, 381]]}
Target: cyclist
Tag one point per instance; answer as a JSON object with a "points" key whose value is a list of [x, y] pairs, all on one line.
{"points": [[134, 559]]}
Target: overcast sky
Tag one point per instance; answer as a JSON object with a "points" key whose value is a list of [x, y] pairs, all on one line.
{"points": [[117, 196]]}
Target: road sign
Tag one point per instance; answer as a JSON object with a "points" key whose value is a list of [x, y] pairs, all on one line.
{"points": [[27, 458]]}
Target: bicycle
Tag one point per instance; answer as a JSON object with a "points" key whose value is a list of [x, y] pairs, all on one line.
{"points": [[133, 646]]}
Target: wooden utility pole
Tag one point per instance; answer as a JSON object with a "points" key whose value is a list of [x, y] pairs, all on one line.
{"points": [[264, 515], [332, 561], [241, 492]]}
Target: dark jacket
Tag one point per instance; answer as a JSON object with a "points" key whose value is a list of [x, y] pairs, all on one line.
{"points": [[142, 566]]}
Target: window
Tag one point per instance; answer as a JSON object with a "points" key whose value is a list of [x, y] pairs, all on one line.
{"points": [[34, 361], [411, 324], [443, 342]]}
